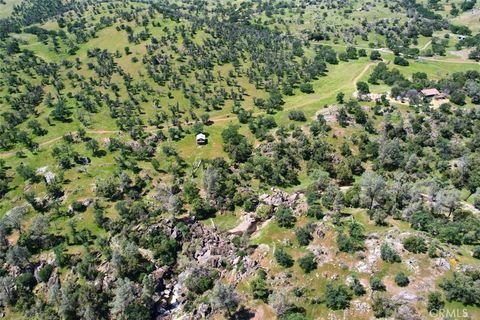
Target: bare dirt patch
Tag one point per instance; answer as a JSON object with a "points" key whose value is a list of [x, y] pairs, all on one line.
{"points": [[463, 54]]}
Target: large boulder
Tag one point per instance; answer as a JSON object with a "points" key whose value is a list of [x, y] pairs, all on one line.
{"points": [[405, 296], [248, 225]]}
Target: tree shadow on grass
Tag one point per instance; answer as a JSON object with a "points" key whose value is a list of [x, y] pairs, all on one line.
{"points": [[243, 314]]}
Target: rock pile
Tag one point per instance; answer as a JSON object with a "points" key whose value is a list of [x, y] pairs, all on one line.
{"points": [[247, 225], [280, 198], [212, 249]]}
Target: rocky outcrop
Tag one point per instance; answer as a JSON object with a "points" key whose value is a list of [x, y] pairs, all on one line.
{"points": [[280, 198], [248, 225], [209, 248], [405, 296]]}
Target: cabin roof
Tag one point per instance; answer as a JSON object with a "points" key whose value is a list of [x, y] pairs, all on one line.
{"points": [[430, 92], [201, 136]]}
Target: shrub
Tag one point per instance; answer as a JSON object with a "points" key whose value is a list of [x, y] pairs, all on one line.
{"points": [[201, 209], [297, 115], [357, 287], [389, 254], [200, 280], [476, 252], [264, 212], [45, 272], [344, 243], [363, 88], [259, 287], [382, 307], [352, 196], [476, 201], [415, 244], [376, 284], [293, 314], [315, 211], [462, 288], [78, 206], [375, 55], [401, 61], [304, 235], [458, 97], [26, 281], [283, 258], [401, 279], [337, 296], [285, 218], [308, 263], [435, 302], [306, 88]]}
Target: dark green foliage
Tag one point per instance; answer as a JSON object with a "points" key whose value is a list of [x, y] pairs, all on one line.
{"points": [[415, 244], [337, 296], [340, 97], [201, 209], [315, 211], [459, 29], [45, 272], [352, 242], [25, 281], [293, 315], [190, 191], [462, 287], [304, 234], [375, 55], [352, 196], [307, 263], [458, 97], [435, 302], [283, 258], [352, 53], [344, 243], [224, 297], [297, 115], [27, 173], [137, 310], [285, 217], [259, 286], [357, 288], [468, 5], [201, 279], [363, 88], [451, 231], [400, 61], [382, 306], [200, 62], [377, 284], [476, 252], [235, 144], [4, 180], [306, 88], [164, 249], [401, 279], [389, 254]]}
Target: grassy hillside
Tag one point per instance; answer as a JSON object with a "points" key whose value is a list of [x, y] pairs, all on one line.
{"points": [[320, 145]]}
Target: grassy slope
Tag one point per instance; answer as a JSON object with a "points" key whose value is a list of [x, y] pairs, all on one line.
{"points": [[340, 78], [7, 8]]}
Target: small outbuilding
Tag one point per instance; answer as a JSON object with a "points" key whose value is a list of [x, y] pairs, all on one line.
{"points": [[201, 139], [430, 93]]}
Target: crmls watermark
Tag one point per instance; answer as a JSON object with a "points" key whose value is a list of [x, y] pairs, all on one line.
{"points": [[449, 314]]}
